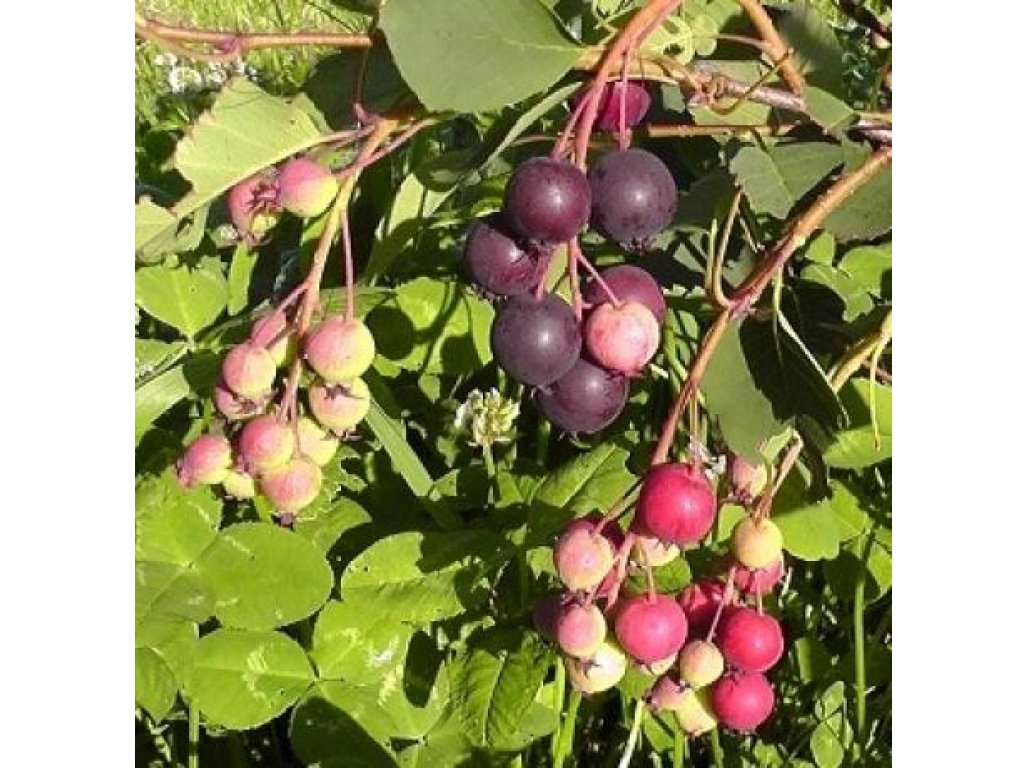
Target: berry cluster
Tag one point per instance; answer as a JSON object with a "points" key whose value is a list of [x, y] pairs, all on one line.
{"points": [[271, 447], [710, 646], [302, 186], [579, 361]]}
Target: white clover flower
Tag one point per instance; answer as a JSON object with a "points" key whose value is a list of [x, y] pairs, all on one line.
{"points": [[181, 79], [165, 59], [489, 418]]}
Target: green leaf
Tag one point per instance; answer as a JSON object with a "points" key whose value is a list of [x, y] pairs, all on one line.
{"points": [[473, 57], [744, 413], [173, 639], [338, 726], [817, 52], [246, 130], [855, 447], [829, 111], [263, 576], [187, 299], [169, 591], [152, 224], [857, 300], [240, 272], [821, 249], [866, 214], [809, 529], [241, 679], [421, 577], [160, 393], [151, 354], [325, 527], [870, 267], [495, 684], [354, 642], [776, 180], [173, 524], [417, 701], [155, 684], [433, 326]]}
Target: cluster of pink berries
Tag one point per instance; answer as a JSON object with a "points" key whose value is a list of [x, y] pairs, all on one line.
{"points": [[302, 186], [707, 647], [275, 448]]}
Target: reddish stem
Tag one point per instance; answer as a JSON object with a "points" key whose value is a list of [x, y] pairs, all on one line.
{"points": [[728, 596], [574, 250], [560, 148], [598, 278]]}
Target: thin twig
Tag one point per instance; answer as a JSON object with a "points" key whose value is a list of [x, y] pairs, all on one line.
{"points": [[777, 47]]}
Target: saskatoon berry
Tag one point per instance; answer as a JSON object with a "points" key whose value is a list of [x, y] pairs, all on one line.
{"points": [[249, 371], [629, 283], [306, 188], [743, 700], [695, 712], [547, 201], [546, 614], [585, 399], [757, 580], [622, 339], [235, 408], [580, 630], [756, 543], [494, 260], [699, 601], [239, 485], [747, 480], [667, 694], [751, 641], [536, 341], [582, 559], [676, 504], [340, 407], [651, 629], [636, 103], [265, 443], [206, 461], [339, 349], [314, 443], [292, 486], [253, 205], [633, 195], [601, 672]]}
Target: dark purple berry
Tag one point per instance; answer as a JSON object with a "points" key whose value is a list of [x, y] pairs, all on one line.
{"points": [[494, 260], [629, 283], [536, 340], [547, 201], [633, 195], [585, 399], [636, 103]]}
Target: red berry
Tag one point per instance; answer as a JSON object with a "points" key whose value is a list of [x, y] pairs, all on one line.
{"points": [[580, 630], [651, 629], [742, 700], [307, 188], [750, 641], [677, 504], [699, 601], [253, 205], [757, 580], [629, 283], [622, 339]]}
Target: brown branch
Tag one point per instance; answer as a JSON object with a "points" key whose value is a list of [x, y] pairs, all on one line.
{"points": [[751, 289], [778, 49], [855, 10]]}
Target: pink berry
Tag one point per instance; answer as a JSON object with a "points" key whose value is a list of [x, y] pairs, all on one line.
{"points": [[314, 443], [339, 349], [651, 629], [253, 206], [249, 371], [236, 408], [743, 700], [340, 407], [580, 630], [306, 188], [622, 339], [582, 558], [747, 480], [272, 333], [751, 641], [206, 461], [293, 486], [700, 663], [636, 103], [677, 504], [265, 443], [667, 693], [699, 601], [757, 580], [611, 532]]}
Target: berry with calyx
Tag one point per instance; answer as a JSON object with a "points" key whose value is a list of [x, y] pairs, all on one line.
{"points": [[747, 480], [602, 671], [700, 601], [265, 443], [743, 700], [536, 340], [253, 205], [667, 694], [249, 371], [633, 196], [239, 485], [314, 443], [622, 339], [657, 553], [582, 558], [629, 283], [756, 543], [496, 262], [580, 630], [695, 713], [272, 333], [750, 641], [757, 580], [584, 400], [339, 407], [339, 349], [306, 188], [236, 408], [701, 663], [636, 102], [206, 461], [547, 201], [292, 486], [677, 504], [651, 629]]}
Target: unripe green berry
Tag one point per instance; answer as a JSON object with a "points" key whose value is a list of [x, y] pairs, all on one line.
{"points": [[339, 350], [340, 407], [293, 486], [239, 485], [249, 371], [695, 713], [314, 443]]}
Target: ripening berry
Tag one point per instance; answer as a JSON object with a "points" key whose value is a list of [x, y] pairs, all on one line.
{"points": [[582, 558], [751, 641], [314, 443], [757, 543], [651, 629], [747, 480], [757, 580], [253, 205], [636, 102], [653, 551], [293, 486], [629, 283], [695, 713], [340, 407], [700, 601], [271, 332], [306, 188], [667, 694], [622, 339], [339, 349], [265, 443], [236, 408], [701, 663], [676, 504], [249, 371], [206, 461], [580, 630], [743, 700], [599, 673]]}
